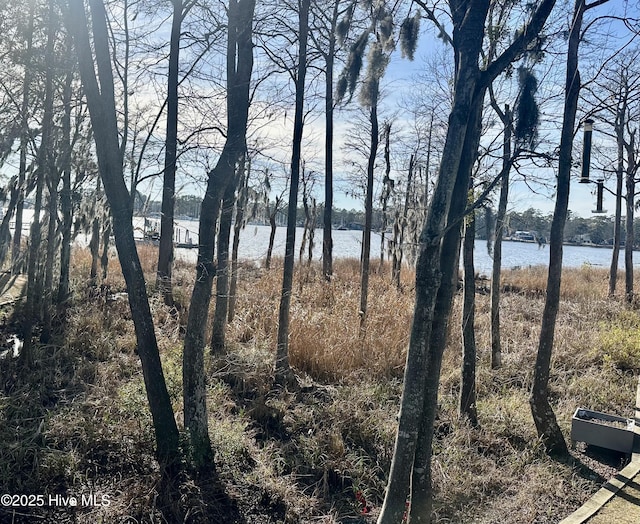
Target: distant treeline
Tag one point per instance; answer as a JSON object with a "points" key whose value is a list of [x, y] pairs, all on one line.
{"points": [[597, 229]]}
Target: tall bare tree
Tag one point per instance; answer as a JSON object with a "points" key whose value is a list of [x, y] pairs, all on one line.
{"points": [[410, 473], [283, 373], [326, 18], [100, 93], [16, 254], [239, 68], [165, 249], [543, 415]]}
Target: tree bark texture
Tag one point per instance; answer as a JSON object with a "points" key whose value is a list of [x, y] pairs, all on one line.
{"points": [[421, 494], [16, 251], [617, 222], [468, 373], [241, 202], [413, 420], [35, 281], [5, 234], [222, 271], [239, 68], [419, 397], [272, 234]]}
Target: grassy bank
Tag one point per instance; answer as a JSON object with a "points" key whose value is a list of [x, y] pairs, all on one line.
{"points": [[77, 423]]}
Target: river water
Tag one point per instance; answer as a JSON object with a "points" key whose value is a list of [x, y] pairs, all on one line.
{"points": [[254, 241]]}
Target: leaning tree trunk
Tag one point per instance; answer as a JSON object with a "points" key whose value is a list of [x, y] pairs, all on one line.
{"points": [[543, 415], [422, 491], [101, 103], [410, 471], [239, 67], [5, 234]]}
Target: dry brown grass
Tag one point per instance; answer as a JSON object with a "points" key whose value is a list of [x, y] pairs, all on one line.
{"points": [[301, 457], [325, 338], [481, 475]]}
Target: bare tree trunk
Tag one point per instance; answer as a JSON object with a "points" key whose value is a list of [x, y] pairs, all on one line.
{"points": [[421, 493], [312, 230], [283, 373], [387, 189], [617, 226], [368, 207], [410, 468], [222, 271], [66, 202], [327, 240], [100, 98], [620, 123], [496, 343], [16, 253], [94, 242], [5, 234], [400, 227], [543, 415], [239, 68], [630, 235], [104, 258], [411, 464], [50, 256], [308, 226], [272, 235], [468, 374], [239, 224], [35, 284], [165, 249]]}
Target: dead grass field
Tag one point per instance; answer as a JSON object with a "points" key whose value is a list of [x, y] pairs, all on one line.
{"points": [[79, 423]]}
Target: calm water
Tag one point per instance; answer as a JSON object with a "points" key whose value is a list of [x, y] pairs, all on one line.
{"points": [[254, 241]]}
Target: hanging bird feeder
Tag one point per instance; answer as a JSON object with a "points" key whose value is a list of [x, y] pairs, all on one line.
{"points": [[599, 195], [586, 151]]}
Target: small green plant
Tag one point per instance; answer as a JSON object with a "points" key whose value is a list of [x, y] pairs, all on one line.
{"points": [[620, 342]]}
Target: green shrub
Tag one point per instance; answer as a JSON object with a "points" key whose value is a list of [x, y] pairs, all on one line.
{"points": [[620, 342]]}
